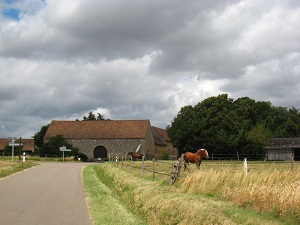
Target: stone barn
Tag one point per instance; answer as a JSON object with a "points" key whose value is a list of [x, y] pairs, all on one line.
{"points": [[163, 146], [283, 149], [98, 138]]}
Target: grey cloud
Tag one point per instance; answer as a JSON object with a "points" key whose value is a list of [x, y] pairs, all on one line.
{"points": [[143, 59]]}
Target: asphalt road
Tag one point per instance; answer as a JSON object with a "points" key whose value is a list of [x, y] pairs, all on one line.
{"points": [[49, 194]]}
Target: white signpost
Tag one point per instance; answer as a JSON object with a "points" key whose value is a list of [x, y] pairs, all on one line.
{"points": [[64, 149], [13, 144]]}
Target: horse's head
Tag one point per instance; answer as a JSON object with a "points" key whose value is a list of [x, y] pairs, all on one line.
{"points": [[130, 153], [204, 153]]}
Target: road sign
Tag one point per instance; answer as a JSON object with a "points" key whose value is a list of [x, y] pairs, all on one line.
{"points": [[12, 138], [64, 149], [14, 144]]}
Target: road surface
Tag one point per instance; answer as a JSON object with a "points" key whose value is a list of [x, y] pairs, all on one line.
{"points": [[49, 194]]}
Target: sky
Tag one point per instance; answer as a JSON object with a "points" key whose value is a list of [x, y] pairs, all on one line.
{"points": [[140, 59]]}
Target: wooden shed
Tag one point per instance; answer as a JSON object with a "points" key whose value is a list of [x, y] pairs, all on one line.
{"points": [[283, 149]]}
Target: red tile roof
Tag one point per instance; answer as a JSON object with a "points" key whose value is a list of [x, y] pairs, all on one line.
{"points": [[163, 133], [28, 144], [99, 129], [160, 136]]}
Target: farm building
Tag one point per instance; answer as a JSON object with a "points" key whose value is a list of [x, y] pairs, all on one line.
{"points": [[283, 149], [163, 146], [99, 138], [27, 145]]}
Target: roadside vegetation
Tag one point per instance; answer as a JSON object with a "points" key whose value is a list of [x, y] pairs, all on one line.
{"points": [[8, 168], [221, 193]]}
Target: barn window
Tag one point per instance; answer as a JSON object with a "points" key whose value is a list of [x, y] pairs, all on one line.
{"points": [[100, 152]]}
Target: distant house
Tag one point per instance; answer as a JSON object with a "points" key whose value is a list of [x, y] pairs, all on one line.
{"points": [[163, 146], [283, 149], [27, 145], [98, 138]]}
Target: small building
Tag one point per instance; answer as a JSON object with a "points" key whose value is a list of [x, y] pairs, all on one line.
{"points": [[283, 149], [27, 145], [99, 138], [163, 147]]}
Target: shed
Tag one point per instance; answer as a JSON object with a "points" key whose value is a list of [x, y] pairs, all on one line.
{"points": [[283, 149], [27, 144]]}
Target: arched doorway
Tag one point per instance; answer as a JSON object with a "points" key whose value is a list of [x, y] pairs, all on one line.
{"points": [[100, 152]]}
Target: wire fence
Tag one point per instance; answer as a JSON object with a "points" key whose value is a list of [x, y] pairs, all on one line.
{"points": [[154, 166], [171, 168]]}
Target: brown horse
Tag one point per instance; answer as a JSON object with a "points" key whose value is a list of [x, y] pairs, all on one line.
{"points": [[195, 157], [135, 155]]}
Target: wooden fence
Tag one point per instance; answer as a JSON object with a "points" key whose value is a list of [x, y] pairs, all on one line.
{"points": [[171, 168]]}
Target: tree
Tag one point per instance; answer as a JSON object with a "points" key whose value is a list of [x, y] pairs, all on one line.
{"points": [[225, 126], [92, 116], [39, 136], [52, 147]]}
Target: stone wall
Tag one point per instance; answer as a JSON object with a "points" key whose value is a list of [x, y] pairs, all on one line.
{"points": [[112, 146]]}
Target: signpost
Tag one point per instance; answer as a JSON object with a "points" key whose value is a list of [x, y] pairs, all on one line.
{"points": [[64, 149], [13, 144]]}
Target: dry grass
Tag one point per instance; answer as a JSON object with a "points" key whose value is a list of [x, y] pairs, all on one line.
{"points": [[8, 168], [160, 204], [265, 187]]}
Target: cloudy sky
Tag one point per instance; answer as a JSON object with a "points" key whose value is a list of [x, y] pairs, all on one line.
{"points": [[138, 59]]}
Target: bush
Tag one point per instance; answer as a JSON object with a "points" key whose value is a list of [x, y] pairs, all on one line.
{"points": [[83, 157], [165, 156]]}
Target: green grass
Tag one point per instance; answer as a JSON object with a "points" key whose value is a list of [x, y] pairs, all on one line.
{"points": [[8, 168], [158, 203], [104, 206]]}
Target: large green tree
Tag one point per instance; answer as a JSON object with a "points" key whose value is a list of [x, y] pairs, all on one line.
{"points": [[52, 147], [39, 136], [226, 126]]}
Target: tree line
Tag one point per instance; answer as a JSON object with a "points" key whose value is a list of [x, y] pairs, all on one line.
{"points": [[227, 126]]}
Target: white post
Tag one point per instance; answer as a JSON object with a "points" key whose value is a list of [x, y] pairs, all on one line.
{"points": [[245, 166], [23, 157]]}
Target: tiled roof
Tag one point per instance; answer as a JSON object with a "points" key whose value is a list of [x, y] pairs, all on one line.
{"points": [[98, 129], [283, 143], [160, 136], [28, 144], [163, 133]]}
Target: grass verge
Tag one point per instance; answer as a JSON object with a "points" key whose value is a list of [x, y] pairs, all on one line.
{"points": [[157, 203], [9, 168], [104, 206]]}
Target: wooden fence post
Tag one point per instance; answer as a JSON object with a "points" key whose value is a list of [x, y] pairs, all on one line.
{"points": [[143, 165], [292, 162], [176, 171], [153, 168]]}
